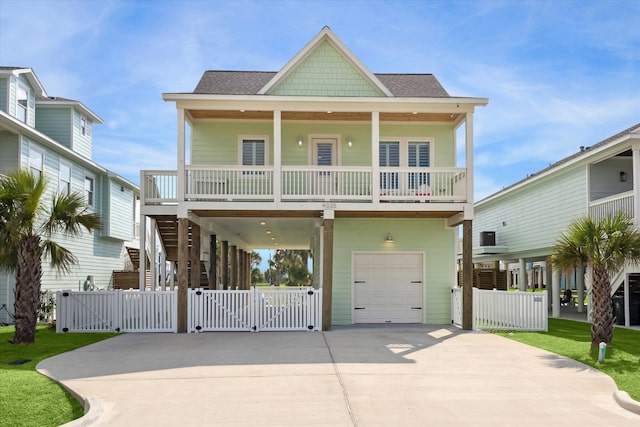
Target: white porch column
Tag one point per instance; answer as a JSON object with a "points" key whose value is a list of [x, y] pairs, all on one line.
{"points": [[469, 156], [522, 276], [636, 183], [162, 269], [509, 277], [555, 293], [153, 254], [580, 286], [172, 277], [142, 265], [375, 156], [181, 179], [277, 156]]}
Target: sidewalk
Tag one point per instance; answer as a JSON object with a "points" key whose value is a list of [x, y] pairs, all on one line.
{"points": [[365, 376]]}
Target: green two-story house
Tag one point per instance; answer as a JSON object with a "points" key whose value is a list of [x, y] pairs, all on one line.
{"points": [[53, 137], [323, 155]]}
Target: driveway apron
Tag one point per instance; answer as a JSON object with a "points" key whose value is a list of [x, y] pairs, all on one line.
{"points": [[354, 376]]}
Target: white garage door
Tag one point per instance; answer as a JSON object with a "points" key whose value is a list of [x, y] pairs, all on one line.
{"points": [[387, 287]]}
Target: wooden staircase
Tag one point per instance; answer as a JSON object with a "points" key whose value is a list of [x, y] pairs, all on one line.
{"points": [[168, 230]]}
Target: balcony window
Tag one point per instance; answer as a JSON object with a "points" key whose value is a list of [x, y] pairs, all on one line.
{"points": [[22, 104], [254, 153], [389, 157], [418, 157]]}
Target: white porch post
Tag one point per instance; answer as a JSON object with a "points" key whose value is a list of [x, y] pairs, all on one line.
{"points": [[277, 156], [555, 293], [375, 156], [162, 269], [142, 267], [172, 277], [522, 275], [636, 183], [509, 277], [469, 156], [181, 179], [153, 254], [580, 286]]}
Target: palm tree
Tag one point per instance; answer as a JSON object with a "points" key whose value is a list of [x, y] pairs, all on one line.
{"points": [[27, 227], [604, 246]]}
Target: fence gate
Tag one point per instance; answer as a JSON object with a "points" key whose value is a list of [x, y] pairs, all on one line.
{"points": [[255, 310]]}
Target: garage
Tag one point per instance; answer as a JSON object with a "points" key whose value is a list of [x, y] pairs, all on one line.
{"points": [[388, 287]]}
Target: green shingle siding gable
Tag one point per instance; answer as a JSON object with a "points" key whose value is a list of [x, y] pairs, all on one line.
{"points": [[325, 72]]}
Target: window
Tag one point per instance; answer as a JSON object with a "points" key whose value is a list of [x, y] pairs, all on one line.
{"points": [[83, 125], [418, 157], [64, 182], [22, 106], [389, 157], [36, 162], [88, 190], [254, 152]]}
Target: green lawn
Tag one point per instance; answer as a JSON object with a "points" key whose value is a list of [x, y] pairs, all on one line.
{"points": [[573, 339], [28, 398]]}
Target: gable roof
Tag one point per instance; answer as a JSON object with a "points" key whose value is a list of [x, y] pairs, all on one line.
{"points": [[29, 75], [324, 35], [58, 101], [631, 133]]}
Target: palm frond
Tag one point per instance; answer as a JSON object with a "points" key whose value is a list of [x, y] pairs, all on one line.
{"points": [[68, 215], [59, 258]]}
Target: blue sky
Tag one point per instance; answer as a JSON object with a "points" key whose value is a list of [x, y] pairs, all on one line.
{"points": [[558, 74]]}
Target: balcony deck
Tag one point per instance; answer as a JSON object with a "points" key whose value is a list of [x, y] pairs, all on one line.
{"points": [[624, 202], [306, 184]]}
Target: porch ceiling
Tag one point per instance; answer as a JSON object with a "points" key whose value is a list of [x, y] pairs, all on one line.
{"points": [[249, 232], [323, 116]]}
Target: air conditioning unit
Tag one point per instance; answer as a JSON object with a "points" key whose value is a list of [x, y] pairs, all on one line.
{"points": [[487, 238]]}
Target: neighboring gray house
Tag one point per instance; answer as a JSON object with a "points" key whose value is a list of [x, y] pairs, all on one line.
{"points": [[53, 136], [529, 216]]}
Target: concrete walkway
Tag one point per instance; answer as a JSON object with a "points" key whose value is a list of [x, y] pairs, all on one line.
{"points": [[367, 376]]}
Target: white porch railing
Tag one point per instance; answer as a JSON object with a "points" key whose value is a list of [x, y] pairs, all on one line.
{"points": [[503, 310], [307, 183], [254, 310], [116, 311], [160, 187], [600, 208], [229, 183]]}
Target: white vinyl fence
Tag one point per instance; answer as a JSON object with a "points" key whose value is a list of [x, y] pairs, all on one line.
{"points": [[255, 310], [116, 311], [503, 310]]}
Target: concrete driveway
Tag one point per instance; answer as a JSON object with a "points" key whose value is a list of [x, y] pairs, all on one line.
{"points": [[366, 376]]}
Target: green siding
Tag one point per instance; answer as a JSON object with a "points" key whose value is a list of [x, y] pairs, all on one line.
{"points": [[427, 235], [216, 143], [325, 72], [534, 216], [4, 95], [9, 152], [444, 139], [120, 212], [82, 144], [55, 123]]}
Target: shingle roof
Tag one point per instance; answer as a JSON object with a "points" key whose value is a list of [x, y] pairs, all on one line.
{"points": [[250, 82]]}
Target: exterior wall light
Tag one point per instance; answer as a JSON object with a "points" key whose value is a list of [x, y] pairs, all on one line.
{"points": [[623, 176], [389, 238], [349, 142], [300, 141]]}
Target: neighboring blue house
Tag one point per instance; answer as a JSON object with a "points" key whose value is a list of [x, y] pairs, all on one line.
{"points": [[53, 136], [520, 224]]}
